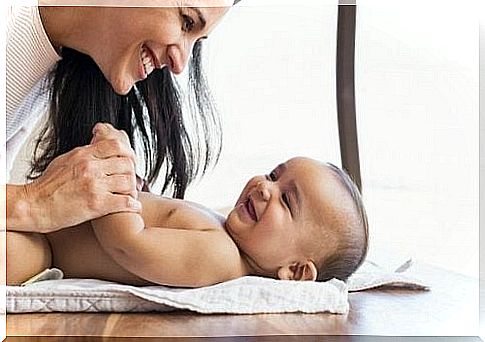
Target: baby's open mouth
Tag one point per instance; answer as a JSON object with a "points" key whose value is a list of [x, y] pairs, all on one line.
{"points": [[250, 208]]}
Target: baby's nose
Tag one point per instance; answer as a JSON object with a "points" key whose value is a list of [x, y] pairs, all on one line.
{"points": [[263, 191]]}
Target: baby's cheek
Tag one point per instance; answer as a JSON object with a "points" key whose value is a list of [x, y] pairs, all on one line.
{"points": [[233, 224], [231, 216], [277, 221]]}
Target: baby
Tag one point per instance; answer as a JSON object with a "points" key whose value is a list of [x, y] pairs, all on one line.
{"points": [[303, 221]]}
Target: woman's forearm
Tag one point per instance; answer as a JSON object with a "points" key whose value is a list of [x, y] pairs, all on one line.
{"points": [[20, 209]]}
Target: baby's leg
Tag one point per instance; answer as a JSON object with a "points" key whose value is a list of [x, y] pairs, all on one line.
{"points": [[27, 255]]}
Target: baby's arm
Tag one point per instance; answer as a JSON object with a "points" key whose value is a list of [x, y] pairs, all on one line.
{"points": [[168, 256]]}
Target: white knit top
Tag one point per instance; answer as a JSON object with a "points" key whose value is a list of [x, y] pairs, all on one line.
{"points": [[30, 55]]}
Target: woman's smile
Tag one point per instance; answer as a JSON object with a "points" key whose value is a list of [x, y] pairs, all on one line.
{"points": [[165, 37], [149, 62]]}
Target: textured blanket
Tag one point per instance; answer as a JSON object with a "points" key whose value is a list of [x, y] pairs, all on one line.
{"points": [[247, 295]]}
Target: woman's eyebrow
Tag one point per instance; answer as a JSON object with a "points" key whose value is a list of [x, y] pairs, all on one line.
{"points": [[201, 17]]}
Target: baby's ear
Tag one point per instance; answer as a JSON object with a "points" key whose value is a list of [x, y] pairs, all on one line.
{"points": [[298, 271]]}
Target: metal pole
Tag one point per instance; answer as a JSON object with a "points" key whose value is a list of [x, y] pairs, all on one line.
{"points": [[349, 148]]}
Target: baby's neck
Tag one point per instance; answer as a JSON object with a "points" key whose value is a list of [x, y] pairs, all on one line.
{"points": [[253, 268], [250, 266]]}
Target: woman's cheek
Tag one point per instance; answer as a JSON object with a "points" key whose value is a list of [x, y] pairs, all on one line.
{"points": [[118, 71]]}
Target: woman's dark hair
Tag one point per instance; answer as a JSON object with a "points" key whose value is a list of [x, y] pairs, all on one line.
{"points": [[80, 96], [354, 242]]}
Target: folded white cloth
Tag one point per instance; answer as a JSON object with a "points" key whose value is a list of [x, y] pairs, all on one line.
{"points": [[370, 276], [247, 295], [240, 296]]}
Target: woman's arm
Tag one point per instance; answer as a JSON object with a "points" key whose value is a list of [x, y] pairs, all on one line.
{"points": [[17, 207], [168, 256], [85, 183]]}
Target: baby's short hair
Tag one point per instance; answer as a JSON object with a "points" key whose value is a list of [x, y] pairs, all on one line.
{"points": [[353, 240]]}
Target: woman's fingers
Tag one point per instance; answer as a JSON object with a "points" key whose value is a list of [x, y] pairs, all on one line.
{"points": [[108, 148], [116, 158], [115, 175], [115, 165], [112, 148], [122, 184], [121, 203], [102, 131]]}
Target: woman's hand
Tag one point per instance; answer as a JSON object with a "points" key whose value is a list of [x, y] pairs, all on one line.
{"points": [[81, 185]]}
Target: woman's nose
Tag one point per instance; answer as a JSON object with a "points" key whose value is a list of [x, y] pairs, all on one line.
{"points": [[178, 56]]}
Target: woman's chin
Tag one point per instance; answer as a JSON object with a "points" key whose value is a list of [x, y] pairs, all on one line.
{"points": [[122, 86], [124, 90]]}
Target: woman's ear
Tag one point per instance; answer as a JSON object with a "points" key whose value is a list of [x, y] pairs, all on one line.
{"points": [[298, 271]]}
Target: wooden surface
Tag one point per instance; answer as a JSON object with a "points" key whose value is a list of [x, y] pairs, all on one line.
{"points": [[449, 309]]}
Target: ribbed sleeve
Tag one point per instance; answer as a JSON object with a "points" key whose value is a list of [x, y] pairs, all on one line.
{"points": [[30, 56]]}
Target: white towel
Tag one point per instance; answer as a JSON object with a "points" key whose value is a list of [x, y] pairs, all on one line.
{"points": [[247, 295], [244, 295], [371, 276]]}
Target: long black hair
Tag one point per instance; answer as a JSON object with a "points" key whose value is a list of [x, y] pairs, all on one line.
{"points": [[80, 96]]}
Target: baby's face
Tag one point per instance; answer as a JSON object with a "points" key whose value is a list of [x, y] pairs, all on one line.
{"points": [[277, 216]]}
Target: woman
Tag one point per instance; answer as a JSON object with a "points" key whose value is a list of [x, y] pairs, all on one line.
{"points": [[111, 65]]}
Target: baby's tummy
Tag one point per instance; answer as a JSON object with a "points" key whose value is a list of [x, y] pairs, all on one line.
{"points": [[77, 252]]}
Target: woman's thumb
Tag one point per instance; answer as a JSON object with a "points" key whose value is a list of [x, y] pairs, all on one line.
{"points": [[99, 130]]}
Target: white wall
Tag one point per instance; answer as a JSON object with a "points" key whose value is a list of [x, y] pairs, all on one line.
{"points": [[273, 76], [417, 105], [417, 99], [275, 88]]}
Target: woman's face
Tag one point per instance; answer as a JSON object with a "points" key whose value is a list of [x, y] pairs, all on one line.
{"points": [[134, 41]]}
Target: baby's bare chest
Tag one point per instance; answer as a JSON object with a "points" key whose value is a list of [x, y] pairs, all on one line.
{"points": [[170, 213]]}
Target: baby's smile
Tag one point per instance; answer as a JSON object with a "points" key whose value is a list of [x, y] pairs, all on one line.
{"points": [[245, 210], [250, 208]]}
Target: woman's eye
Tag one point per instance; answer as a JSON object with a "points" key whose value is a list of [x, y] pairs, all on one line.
{"points": [[188, 23]]}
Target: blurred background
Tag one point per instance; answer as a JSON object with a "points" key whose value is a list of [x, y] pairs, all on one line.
{"points": [[272, 72]]}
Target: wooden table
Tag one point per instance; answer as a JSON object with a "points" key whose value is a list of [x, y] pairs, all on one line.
{"points": [[449, 309]]}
